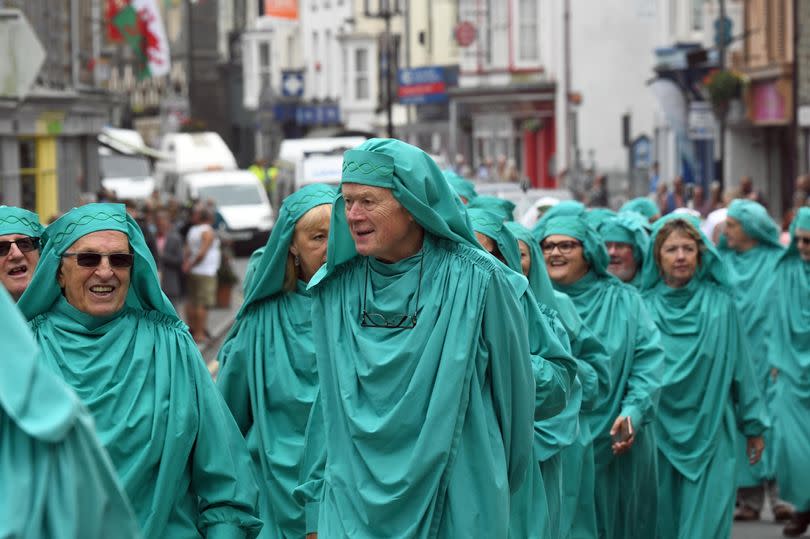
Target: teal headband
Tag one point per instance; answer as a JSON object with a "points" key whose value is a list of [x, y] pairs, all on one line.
{"points": [[15, 220], [368, 168]]}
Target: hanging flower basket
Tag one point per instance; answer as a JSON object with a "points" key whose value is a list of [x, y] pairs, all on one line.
{"points": [[723, 86]]}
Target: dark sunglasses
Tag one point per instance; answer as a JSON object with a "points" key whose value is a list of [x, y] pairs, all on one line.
{"points": [[25, 245], [565, 247], [803, 240], [92, 260]]}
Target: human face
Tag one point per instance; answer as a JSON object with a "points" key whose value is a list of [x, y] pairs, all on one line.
{"points": [[525, 257], [679, 259], [622, 263], [17, 267], [803, 243], [736, 237], [379, 225], [98, 291], [564, 268], [309, 240]]}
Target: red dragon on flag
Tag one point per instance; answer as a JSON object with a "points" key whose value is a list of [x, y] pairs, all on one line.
{"points": [[138, 24]]}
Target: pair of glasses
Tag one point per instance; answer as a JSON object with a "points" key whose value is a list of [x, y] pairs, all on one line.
{"points": [[564, 247], [804, 240], [93, 260], [25, 245], [391, 321]]}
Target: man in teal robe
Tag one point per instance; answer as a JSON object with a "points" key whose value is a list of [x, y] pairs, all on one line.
{"points": [[627, 241], [427, 389], [57, 480], [176, 448], [563, 444], [750, 248], [708, 392], [626, 483], [268, 375], [789, 353], [20, 233]]}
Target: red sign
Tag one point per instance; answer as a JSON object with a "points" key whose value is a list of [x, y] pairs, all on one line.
{"points": [[768, 103], [283, 9], [422, 89], [465, 33]]}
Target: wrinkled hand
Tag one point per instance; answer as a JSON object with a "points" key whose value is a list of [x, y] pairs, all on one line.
{"points": [[623, 446], [754, 449]]}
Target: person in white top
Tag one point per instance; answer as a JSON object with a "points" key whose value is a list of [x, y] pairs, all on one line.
{"points": [[201, 263]]}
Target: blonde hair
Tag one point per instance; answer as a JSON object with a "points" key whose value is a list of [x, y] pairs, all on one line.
{"points": [[308, 222]]}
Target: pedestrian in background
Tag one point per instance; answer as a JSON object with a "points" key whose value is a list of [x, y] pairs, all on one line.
{"points": [[170, 257], [201, 262]]}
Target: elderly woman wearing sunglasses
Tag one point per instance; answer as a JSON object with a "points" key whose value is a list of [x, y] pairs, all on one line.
{"points": [[19, 248], [103, 324]]}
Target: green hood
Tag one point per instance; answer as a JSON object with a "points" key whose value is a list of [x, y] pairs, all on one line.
{"points": [[755, 222], [19, 221], [503, 208], [593, 248], [642, 205], [491, 225], [463, 187], [628, 228]]}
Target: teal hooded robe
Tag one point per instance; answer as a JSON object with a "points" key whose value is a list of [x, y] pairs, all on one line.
{"points": [[57, 480], [709, 391], [629, 228], [789, 353], [268, 375], [615, 312], [750, 274], [561, 464], [428, 427], [169, 434], [642, 205], [463, 187]]}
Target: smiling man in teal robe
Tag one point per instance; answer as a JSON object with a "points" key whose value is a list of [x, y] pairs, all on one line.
{"points": [[103, 325], [427, 387], [57, 480]]}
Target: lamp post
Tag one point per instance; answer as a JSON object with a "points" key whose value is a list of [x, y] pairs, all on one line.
{"points": [[386, 9]]}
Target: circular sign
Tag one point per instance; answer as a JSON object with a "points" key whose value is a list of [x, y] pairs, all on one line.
{"points": [[465, 33]]}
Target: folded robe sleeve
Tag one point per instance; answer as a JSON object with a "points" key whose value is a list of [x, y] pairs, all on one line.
{"points": [[221, 473], [553, 366], [592, 368], [644, 382], [505, 336], [749, 407]]}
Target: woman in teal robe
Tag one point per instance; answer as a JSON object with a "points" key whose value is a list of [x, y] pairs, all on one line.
{"points": [[428, 416], [57, 480], [268, 374], [176, 448], [709, 390], [561, 442], [625, 484], [789, 353]]}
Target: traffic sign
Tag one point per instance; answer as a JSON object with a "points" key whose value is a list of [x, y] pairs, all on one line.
{"points": [[465, 33], [292, 83], [20, 68], [701, 120], [722, 31]]}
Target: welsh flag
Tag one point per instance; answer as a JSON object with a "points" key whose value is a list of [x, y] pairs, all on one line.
{"points": [[138, 24]]}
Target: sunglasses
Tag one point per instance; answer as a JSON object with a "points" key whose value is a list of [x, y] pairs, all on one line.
{"points": [[25, 245], [93, 260], [565, 247], [804, 240]]}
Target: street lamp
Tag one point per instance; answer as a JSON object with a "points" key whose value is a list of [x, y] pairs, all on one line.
{"points": [[385, 9]]}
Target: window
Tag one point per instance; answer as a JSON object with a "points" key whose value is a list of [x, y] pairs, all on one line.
{"points": [[361, 74], [697, 15], [498, 49], [529, 41], [264, 72], [316, 68], [327, 63]]}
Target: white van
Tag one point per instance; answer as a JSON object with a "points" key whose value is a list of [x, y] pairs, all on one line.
{"points": [[191, 152], [241, 200], [124, 163], [310, 160]]}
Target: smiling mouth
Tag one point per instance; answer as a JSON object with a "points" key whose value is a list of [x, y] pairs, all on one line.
{"points": [[102, 290], [558, 263], [17, 271], [362, 233]]}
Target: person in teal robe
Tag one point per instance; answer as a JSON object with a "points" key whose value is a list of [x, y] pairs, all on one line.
{"points": [[505, 209], [643, 205], [427, 387], [566, 208], [709, 388], [268, 375], [58, 482], [562, 442], [464, 188], [788, 346], [625, 475], [596, 216], [177, 450], [17, 265], [627, 242], [750, 249]]}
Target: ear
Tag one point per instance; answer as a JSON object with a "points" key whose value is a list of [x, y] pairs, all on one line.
{"points": [[60, 277], [294, 250]]}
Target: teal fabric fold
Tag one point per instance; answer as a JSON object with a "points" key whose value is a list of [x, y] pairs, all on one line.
{"points": [[755, 221], [642, 205], [268, 374], [15, 220], [463, 187], [58, 481], [789, 353], [503, 208], [566, 208], [177, 450], [492, 225]]}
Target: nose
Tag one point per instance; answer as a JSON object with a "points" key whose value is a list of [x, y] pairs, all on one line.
{"points": [[14, 252], [353, 212], [104, 270]]}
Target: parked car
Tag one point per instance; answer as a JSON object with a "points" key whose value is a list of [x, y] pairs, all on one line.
{"points": [[241, 200]]}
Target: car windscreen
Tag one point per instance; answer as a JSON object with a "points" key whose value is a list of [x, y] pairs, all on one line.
{"points": [[232, 195], [124, 166]]}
